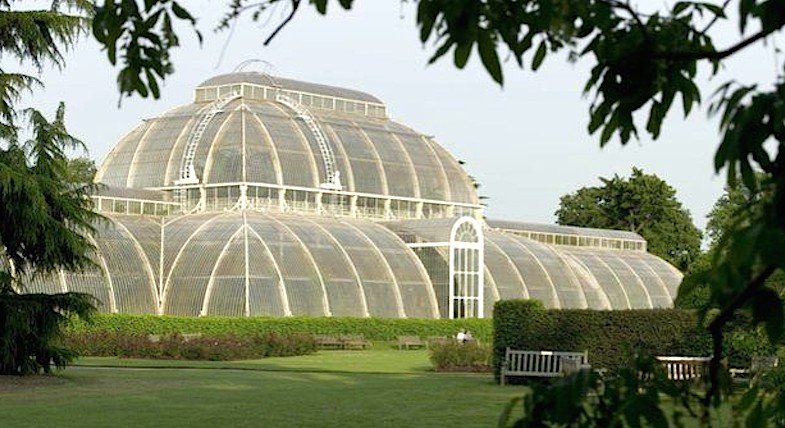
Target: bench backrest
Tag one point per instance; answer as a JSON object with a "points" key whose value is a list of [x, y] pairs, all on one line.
{"points": [[539, 363], [410, 339], [685, 368]]}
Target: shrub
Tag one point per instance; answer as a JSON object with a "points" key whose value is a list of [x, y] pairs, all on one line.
{"points": [[379, 329], [179, 347], [31, 323], [454, 356], [611, 337]]}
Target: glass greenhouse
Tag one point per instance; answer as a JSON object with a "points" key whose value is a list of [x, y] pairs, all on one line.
{"points": [[269, 196]]}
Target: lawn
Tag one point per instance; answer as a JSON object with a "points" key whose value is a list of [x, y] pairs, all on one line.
{"points": [[331, 388], [370, 361]]}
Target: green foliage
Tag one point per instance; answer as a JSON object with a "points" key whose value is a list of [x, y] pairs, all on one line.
{"points": [[82, 169], [179, 347], [732, 209], [764, 401], [371, 328], [31, 323], [39, 37], [143, 35], [644, 204], [46, 210], [610, 337], [47, 215], [636, 395], [454, 356]]}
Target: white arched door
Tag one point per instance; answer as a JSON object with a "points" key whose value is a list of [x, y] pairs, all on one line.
{"points": [[466, 269]]}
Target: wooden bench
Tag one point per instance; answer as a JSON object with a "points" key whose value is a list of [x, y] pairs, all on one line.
{"points": [[539, 363], [327, 342], [409, 342], [354, 341], [759, 364], [684, 368]]}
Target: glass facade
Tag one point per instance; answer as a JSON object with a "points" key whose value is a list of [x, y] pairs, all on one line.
{"points": [[264, 231]]}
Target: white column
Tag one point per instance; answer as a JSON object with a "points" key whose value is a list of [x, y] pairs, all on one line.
{"points": [[243, 197]]}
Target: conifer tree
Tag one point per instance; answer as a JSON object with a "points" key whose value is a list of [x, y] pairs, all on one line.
{"points": [[46, 213]]}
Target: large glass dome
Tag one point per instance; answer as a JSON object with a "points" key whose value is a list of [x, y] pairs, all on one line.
{"points": [[274, 197], [275, 134]]}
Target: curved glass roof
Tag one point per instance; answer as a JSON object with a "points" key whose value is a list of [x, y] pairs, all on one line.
{"points": [[262, 79], [261, 141], [564, 230], [577, 277], [249, 263], [560, 276]]}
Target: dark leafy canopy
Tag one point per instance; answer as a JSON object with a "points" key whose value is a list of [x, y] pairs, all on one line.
{"points": [[45, 207], [731, 210], [143, 35], [644, 204], [82, 169]]}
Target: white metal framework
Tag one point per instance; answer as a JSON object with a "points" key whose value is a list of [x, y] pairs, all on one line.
{"points": [[314, 100], [466, 268], [115, 204], [572, 240], [333, 176], [187, 171], [271, 197]]}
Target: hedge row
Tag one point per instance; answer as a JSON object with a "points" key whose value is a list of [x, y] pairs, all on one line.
{"points": [[610, 337], [381, 329], [179, 347]]}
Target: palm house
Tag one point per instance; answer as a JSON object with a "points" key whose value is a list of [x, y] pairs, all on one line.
{"points": [[274, 197]]}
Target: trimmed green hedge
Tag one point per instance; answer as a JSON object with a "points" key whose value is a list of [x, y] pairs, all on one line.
{"points": [[609, 336], [372, 328], [179, 347]]}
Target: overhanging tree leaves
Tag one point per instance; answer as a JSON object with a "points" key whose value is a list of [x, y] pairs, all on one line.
{"points": [[644, 204]]}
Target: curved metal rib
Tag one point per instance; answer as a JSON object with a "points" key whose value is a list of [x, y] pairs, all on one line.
{"points": [[187, 171], [333, 176]]}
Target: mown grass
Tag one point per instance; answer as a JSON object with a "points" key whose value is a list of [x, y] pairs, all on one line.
{"points": [[379, 387], [332, 388]]}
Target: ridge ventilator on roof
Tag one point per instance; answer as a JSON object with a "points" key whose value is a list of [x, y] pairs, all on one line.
{"points": [[187, 170], [333, 175]]}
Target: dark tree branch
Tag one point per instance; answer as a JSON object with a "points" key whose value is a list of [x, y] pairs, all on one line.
{"points": [[718, 323], [715, 19], [712, 55], [629, 9], [295, 6]]}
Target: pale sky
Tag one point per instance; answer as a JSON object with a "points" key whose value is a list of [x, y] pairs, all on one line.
{"points": [[526, 142]]}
